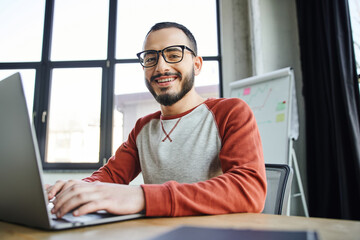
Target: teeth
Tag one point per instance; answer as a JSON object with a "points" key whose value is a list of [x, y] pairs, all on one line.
{"points": [[165, 80]]}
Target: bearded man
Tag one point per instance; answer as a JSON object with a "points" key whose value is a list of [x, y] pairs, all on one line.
{"points": [[197, 156]]}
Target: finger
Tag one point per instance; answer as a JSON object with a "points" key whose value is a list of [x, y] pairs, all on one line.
{"points": [[67, 185], [61, 186], [89, 207], [54, 189], [47, 189], [74, 197], [64, 196], [75, 203]]}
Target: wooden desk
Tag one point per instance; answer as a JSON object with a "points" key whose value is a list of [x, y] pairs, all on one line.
{"points": [[146, 228]]}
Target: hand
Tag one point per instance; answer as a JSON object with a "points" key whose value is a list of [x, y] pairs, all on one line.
{"points": [[58, 187], [87, 197]]}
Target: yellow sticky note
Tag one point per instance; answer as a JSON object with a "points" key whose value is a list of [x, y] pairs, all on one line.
{"points": [[280, 117]]}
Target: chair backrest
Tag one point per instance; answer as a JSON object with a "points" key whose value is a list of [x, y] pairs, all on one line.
{"points": [[279, 178]]}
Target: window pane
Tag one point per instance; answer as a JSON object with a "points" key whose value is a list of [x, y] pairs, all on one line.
{"points": [[129, 78], [74, 118], [21, 29], [132, 100], [209, 74], [28, 80], [80, 30], [199, 16], [354, 7], [207, 82]]}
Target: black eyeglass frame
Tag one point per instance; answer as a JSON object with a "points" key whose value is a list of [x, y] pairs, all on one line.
{"points": [[183, 47]]}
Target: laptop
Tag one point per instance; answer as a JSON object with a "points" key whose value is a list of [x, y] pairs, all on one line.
{"points": [[23, 197]]}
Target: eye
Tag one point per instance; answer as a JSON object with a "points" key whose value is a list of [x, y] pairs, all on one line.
{"points": [[173, 54], [149, 59]]}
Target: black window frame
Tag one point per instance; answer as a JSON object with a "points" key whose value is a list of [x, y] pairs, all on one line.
{"points": [[43, 84]]}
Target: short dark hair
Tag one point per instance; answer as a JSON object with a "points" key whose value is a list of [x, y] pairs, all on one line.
{"points": [[190, 36]]}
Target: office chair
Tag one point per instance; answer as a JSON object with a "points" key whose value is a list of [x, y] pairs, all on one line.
{"points": [[279, 178]]}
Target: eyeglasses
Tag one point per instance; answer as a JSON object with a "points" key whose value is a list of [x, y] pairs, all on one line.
{"points": [[171, 54]]}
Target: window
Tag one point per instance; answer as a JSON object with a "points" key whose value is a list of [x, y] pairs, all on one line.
{"points": [[354, 7], [84, 84]]}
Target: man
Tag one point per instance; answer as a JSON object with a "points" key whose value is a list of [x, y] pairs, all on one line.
{"points": [[197, 156]]}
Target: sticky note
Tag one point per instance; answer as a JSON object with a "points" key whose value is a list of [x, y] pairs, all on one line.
{"points": [[280, 117], [280, 106], [246, 91]]}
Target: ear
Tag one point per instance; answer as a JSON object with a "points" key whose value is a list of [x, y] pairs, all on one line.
{"points": [[198, 61]]}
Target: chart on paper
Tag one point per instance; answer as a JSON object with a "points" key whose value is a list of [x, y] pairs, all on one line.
{"points": [[266, 101], [269, 99]]}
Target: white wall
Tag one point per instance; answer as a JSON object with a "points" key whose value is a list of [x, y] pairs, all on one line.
{"points": [[235, 42]]}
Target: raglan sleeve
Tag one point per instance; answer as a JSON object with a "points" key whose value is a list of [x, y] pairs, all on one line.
{"points": [[123, 166], [241, 187]]}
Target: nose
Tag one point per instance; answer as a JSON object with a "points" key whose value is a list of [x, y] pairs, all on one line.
{"points": [[162, 65]]}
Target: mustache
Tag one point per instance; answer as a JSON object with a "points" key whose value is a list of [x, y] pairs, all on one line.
{"points": [[165, 74]]}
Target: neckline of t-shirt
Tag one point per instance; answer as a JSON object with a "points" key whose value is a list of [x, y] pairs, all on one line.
{"points": [[184, 113]]}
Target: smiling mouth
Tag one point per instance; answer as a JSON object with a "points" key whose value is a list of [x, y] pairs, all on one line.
{"points": [[164, 80]]}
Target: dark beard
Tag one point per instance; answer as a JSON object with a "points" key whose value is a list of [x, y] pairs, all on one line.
{"points": [[169, 99]]}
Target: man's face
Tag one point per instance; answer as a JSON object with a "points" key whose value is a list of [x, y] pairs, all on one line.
{"points": [[169, 82]]}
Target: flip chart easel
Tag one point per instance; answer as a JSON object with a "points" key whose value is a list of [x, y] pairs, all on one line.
{"points": [[272, 97]]}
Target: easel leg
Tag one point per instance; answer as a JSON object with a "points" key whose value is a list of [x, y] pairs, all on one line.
{"points": [[298, 178]]}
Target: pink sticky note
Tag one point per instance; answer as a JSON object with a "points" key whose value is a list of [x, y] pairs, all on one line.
{"points": [[246, 91]]}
